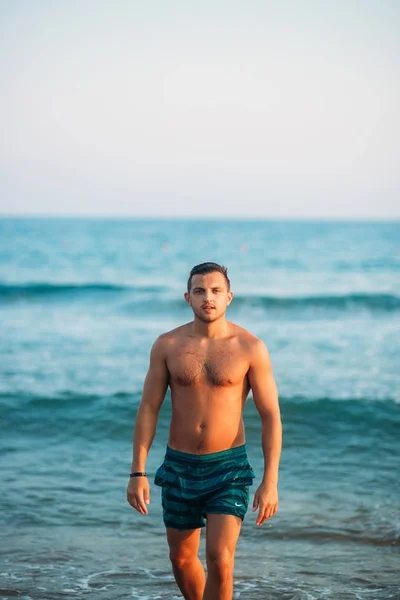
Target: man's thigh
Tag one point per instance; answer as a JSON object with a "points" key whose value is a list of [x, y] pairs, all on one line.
{"points": [[222, 533], [183, 545]]}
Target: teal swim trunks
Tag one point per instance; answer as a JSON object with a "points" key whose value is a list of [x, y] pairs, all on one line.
{"points": [[194, 485]]}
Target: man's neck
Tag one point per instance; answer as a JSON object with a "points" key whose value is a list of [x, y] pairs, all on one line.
{"points": [[216, 329]]}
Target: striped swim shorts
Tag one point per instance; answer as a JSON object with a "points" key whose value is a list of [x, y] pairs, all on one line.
{"points": [[195, 485]]}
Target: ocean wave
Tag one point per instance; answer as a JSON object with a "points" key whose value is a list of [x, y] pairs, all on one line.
{"points": [[28, 291], [321, 535], [384, 302], [96, 415], [307, 306], [142, 294], [71, 397]]}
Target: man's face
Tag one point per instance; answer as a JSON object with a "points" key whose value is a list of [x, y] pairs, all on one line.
{"points": [[209, 296]]}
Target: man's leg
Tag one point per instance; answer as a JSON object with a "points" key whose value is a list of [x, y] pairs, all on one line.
{"points": [[222, 534], [186, 565]]}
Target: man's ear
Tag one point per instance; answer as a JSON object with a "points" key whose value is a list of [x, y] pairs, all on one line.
{"points": [[230, 296], [187, 298]]}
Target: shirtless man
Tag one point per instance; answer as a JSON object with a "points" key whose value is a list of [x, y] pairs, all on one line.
{"points": [[210, 365]]}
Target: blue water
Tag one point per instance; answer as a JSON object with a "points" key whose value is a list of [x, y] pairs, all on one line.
{"points": [[81, 302]]}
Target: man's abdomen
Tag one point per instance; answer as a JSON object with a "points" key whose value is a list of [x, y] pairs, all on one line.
{"points": [[206, 423]]}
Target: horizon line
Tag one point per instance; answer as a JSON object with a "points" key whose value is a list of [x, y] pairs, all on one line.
{"points": [[252, 218]]}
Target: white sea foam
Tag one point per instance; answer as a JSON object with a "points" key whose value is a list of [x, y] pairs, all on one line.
{"points": [[139, 596], [154, 574], [84, 581]]}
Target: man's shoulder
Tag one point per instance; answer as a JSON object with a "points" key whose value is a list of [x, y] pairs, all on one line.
{"points": [[247, 340], [169, 338]]}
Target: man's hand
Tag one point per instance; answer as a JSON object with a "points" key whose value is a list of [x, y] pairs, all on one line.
{"points": [[138, 494], [266, 499]]}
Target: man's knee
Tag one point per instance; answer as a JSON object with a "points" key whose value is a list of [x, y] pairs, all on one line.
{"points": [[180, 559], [220, 564]]}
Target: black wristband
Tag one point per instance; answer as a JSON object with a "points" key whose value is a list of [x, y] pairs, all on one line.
{"points": [[138, 474]]}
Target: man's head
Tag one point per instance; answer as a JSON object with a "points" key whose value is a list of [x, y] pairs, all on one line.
{"points": [[208, 267], [208, 291]]}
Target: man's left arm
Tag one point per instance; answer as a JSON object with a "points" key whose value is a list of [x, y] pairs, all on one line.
{"points": [[265, 396]]}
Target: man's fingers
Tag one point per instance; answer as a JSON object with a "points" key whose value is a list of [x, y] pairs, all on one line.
{"points": [[265, 513], [132, 501], [261, 517], [138, 495], [141, 504], [255, 502], [137, 503]]}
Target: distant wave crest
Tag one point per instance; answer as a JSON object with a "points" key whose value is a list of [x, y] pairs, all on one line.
{"points": [[43, 292], [387, 536], [29, 291], [341, 302], [72, 396], [95, 416]]}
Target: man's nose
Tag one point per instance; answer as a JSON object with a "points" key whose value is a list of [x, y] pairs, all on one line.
{"points": [[208, 295]]}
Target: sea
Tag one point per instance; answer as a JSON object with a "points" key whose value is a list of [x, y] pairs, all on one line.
{"points": [[81, 302]]}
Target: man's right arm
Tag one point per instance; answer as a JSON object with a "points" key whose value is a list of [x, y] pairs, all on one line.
{"points": [[154, 389]]}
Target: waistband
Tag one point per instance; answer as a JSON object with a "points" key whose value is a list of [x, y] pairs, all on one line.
{"points": [[237, 452]]}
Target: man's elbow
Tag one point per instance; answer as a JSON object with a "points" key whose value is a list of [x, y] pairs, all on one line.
{"points": [[148, 409], [271, 417]]}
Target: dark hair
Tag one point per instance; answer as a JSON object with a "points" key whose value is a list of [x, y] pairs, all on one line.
{"points": [[208, 267]]}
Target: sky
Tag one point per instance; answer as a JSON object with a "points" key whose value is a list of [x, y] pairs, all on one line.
{"points": [[236, 109]]}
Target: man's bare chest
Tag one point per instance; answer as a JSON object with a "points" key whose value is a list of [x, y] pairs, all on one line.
{"points": [[218, 366]]}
